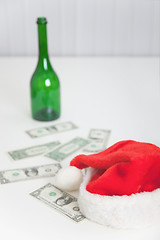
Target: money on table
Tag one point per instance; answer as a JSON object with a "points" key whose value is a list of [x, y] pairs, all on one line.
{"points": [[14, 175], [59, 200], [67, 149], [99, 139], [56, 128], [32, 151]]}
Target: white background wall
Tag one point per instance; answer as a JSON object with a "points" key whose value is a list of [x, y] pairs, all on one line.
{"points": [[82, 27]]}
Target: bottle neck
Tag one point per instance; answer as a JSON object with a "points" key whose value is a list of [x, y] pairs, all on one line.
{"points": [[42, 36]]}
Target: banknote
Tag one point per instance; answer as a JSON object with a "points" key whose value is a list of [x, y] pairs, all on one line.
{"points": [[67, 149], [56, 128], [59, 200], [99, 139], [33, 151], [15, 175]]}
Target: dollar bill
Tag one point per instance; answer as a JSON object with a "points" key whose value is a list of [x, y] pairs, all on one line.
{"points": [[15, 175], [56, 128], [99, 139], [32, 151], [59, 200], [67, 149]]}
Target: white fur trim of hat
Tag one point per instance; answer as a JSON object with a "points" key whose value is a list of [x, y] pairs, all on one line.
{"points": [[134, 211]]}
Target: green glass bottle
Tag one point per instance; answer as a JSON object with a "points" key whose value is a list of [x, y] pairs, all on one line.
{"points": [[44, 85]]}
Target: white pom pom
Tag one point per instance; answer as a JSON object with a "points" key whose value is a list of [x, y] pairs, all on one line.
{"points": [[69, 178]]}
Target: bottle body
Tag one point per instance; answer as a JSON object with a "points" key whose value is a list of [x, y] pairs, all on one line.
{"points": [[44, 85], [45, 95]]}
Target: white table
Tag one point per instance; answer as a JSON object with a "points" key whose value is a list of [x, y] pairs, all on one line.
{"points": [[121, 94]]}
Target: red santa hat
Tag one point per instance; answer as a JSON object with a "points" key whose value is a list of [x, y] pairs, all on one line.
{"points": [[122, 186]]}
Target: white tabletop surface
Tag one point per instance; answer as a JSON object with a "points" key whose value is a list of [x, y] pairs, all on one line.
{"points": [[121, 94]]}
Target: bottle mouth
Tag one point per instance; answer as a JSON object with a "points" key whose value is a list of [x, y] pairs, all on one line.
{"points": [[41, 20]]}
